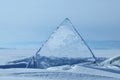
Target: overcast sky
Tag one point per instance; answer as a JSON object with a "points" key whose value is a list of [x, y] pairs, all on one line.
{"points": [[34, 20]]}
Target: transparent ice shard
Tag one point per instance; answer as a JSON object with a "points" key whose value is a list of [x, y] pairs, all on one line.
{"points": [[65, 42]]}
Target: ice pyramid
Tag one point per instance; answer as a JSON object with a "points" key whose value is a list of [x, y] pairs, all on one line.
{"points": [[65, 42]]}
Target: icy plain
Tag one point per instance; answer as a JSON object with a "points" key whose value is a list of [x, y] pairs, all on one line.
{"points": [[66, 72]]}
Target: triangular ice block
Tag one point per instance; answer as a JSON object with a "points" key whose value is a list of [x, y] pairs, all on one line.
{"points": [[65, 42]]}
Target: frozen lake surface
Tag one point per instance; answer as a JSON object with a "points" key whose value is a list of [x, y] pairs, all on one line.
{"points": [[66, 72]]}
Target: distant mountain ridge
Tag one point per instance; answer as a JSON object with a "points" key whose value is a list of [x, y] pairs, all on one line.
{"points": [[93, 45], [104, 44], [1, 48]]}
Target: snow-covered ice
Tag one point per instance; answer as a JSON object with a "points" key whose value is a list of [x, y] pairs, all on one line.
{"points": [[75, 73], [66, 72]]}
